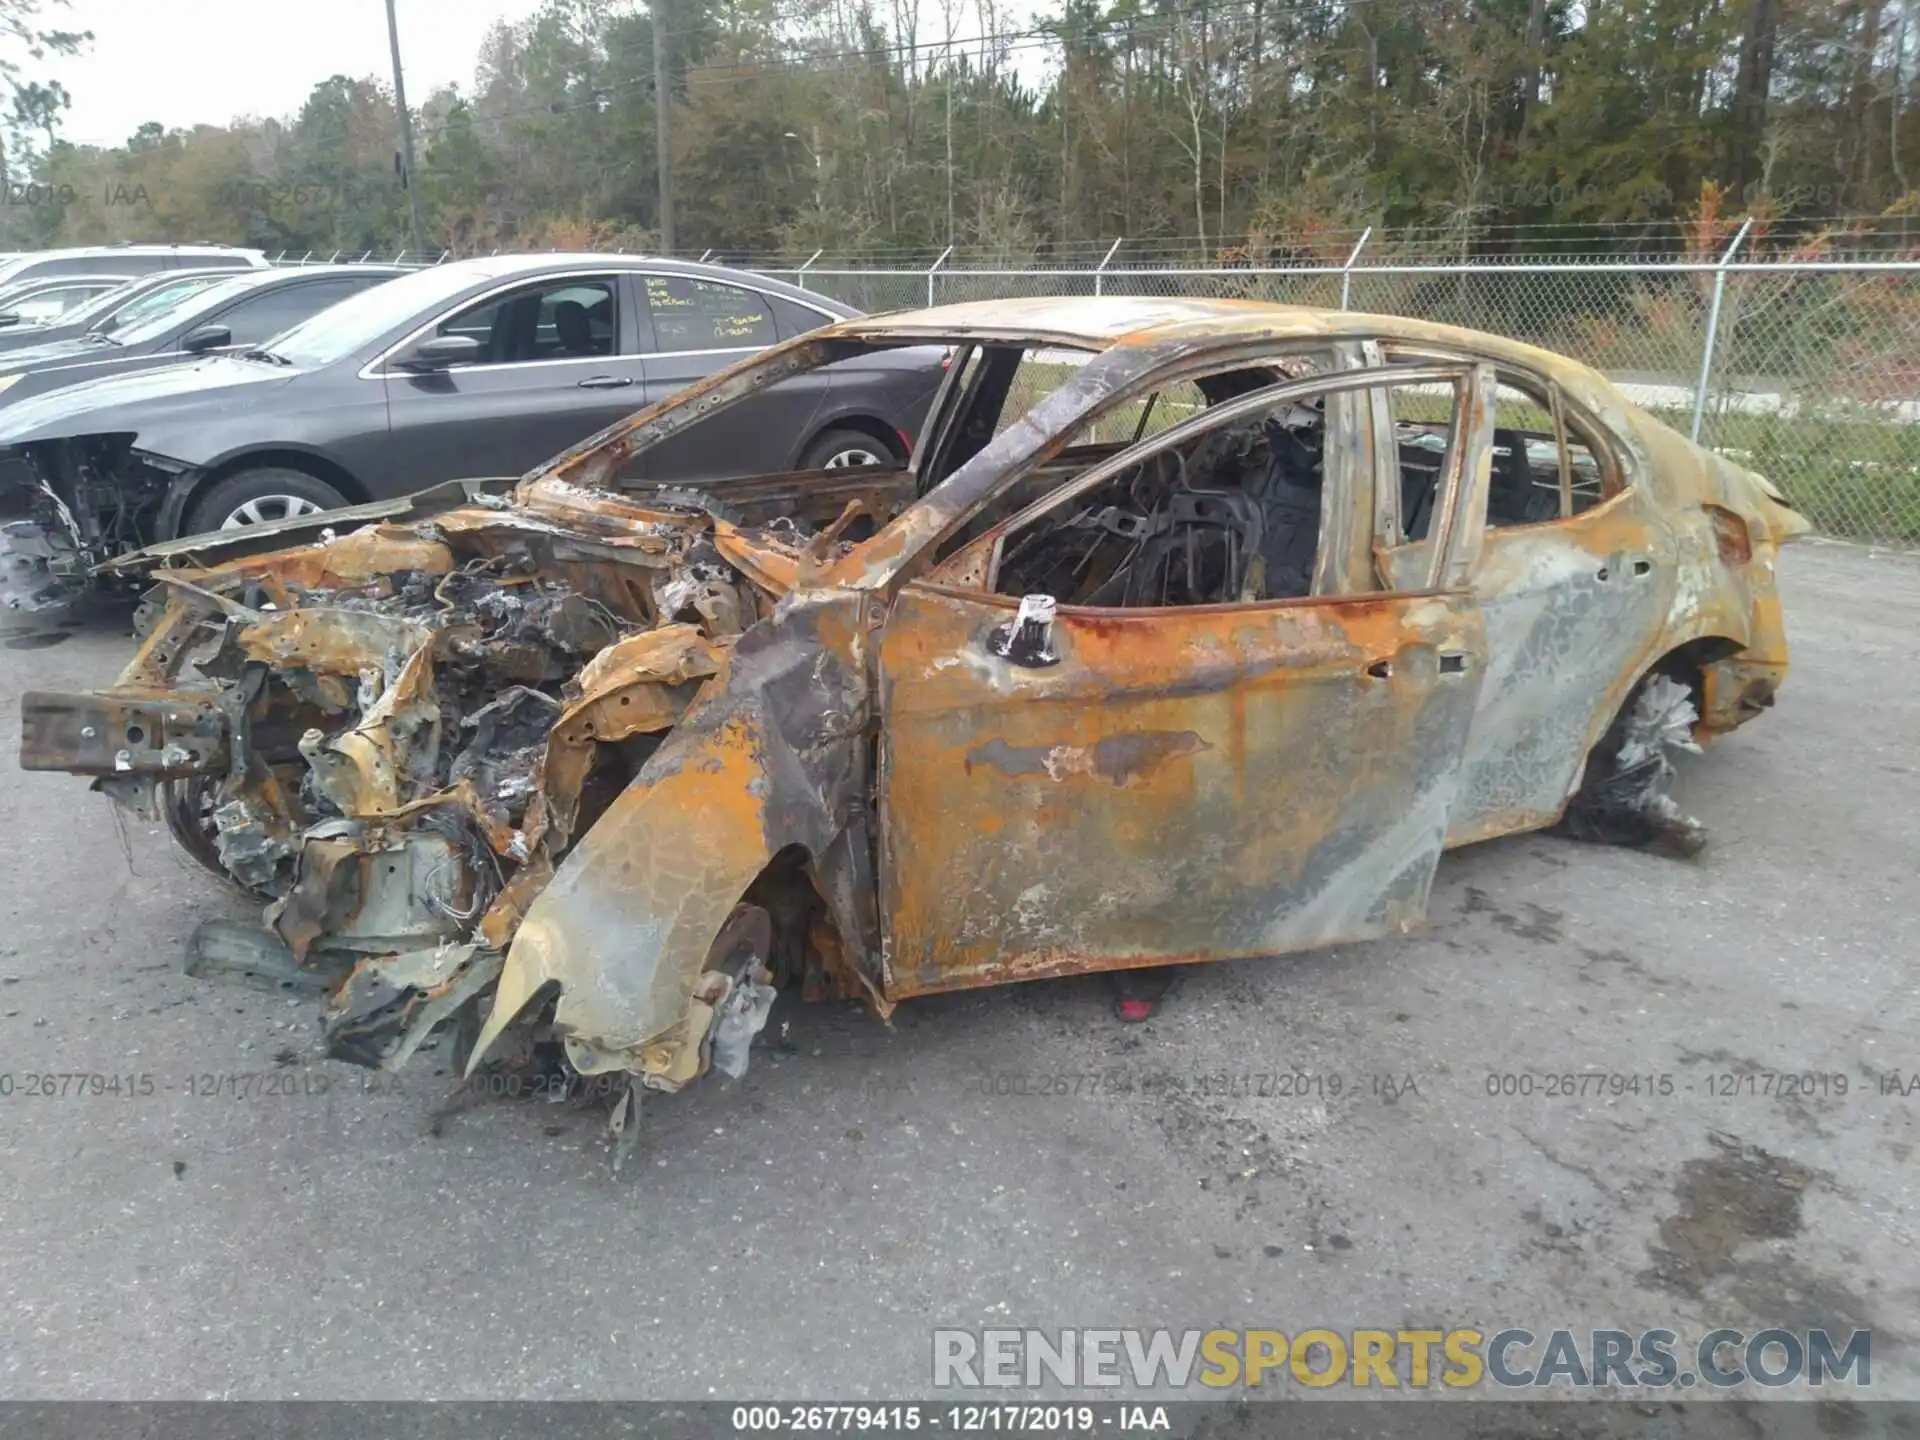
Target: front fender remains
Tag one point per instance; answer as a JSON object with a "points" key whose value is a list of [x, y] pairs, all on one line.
{"points": [[772, 755]]}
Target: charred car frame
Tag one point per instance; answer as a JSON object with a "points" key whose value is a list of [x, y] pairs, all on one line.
{"points": [[1190, 630]]}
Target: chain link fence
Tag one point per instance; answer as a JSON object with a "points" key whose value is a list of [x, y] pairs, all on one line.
{"points": [[1807, 370]]}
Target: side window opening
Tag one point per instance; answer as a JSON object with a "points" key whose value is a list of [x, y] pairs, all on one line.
{"points": [[58, 302], [1587, 475], [1531, 436], [563, 320], [1523, 483], [794, 318], [1423, 427], [576, 320], [1231, 514], [258, 318], [1234, 515], [1041, 371], [1535, 433]]}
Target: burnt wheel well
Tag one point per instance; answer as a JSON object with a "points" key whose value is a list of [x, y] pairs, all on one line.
{"points": [[1684, 664], [785, 890], [811, 953], [1687, 664]]}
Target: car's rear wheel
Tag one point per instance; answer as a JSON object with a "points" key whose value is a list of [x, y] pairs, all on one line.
{"points": [[1624, 796], [845, 450], [260, 497]]}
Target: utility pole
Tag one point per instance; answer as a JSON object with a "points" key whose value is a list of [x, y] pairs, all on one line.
{"points": [[662, 133], [406, 129]]}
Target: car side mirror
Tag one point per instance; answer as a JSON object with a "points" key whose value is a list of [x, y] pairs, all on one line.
{"points": [[207, 337], [442, 352]]}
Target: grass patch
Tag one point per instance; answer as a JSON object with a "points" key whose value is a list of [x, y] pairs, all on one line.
{"points": [[1857, 477]]}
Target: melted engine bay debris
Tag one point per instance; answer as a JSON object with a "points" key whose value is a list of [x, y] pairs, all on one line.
{"points": [[411, 727]]}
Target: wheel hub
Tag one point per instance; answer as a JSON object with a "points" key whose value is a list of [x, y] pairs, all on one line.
{"points": [[266, 509]]}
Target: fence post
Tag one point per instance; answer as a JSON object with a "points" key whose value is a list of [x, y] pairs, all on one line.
{"points": [[800, 276], [1100, 275], [1346, 270], [705, 253], [1713, 328], [933, 268]]}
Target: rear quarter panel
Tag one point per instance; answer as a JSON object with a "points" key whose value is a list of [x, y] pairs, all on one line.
{"points": [[1716, 595]]}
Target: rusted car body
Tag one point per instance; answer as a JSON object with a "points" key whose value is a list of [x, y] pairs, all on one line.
{"points": [[1104, 677]]}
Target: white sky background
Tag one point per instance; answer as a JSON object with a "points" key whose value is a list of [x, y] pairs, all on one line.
{"points": [[188, 62], [205, 61]]}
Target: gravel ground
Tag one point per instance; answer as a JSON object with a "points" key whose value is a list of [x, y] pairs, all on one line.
{"points": [[799, 1234]]}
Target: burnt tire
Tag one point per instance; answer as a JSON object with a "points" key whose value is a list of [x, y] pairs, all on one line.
{"points": [[845, 449], [1624, 796], [259, 496]]}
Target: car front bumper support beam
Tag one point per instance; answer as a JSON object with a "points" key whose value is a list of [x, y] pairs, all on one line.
{"points": [[165, 734]]}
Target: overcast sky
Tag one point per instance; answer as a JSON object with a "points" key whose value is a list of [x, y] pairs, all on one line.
{"points": [[210, 60]]}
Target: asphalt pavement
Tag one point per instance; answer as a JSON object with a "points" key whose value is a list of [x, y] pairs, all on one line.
{"points": [[1361, 1137]]}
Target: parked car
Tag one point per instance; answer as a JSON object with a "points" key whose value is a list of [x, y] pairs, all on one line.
{"points": [[1191, 630], [478, 368], [126, 260], [29, 304], [237, 312], [132, 299]]}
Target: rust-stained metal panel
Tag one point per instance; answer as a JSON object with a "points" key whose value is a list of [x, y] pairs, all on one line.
{"points": [[1184, 784], [1573, 610]]}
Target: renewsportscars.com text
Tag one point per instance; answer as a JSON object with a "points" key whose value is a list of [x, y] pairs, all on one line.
{"points": [[1318, 1357]]}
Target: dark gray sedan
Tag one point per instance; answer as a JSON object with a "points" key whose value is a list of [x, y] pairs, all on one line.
{"points": [[479, 368]]}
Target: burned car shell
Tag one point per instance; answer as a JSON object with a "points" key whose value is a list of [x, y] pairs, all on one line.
{"points": [[856, 763]]}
